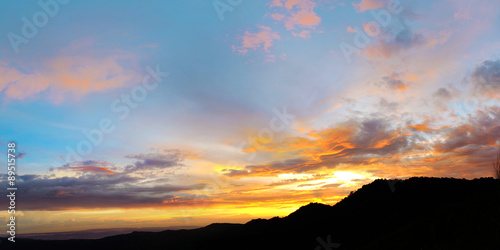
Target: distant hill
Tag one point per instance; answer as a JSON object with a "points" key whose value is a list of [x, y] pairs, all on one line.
{"points": [[418, 213], [96, 233]]}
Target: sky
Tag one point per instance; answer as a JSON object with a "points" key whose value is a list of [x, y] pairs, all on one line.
{"points": [[186, 113]]}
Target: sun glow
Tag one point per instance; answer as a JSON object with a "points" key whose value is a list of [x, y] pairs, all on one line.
{"points": [[345, 176]]}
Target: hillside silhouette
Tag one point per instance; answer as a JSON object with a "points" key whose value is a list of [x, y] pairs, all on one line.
{"points": [[417, 213]]}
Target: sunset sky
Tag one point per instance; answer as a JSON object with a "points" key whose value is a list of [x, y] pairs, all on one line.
{"points": [[185, 113]]}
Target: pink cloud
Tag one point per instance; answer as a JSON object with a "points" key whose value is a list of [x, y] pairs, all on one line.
{"points": [[263, 39], [65, 77], [277, 16], [271, 58], [303, 34], [365, 5], [351, 30], [297, 13]]}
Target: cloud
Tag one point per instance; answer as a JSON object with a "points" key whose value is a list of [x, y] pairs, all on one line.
{"points": [[351, 30], [235, 172], [277, 16], [271, 169], [65, 77], [394, 82], [297, 13], [171, 158], [391, 44], [443, 97], [94, 167], [303, 34], [486, 78], [388, 106], [384, 143], [100, 184], [399, 37], [443, 93], [263, 39], [92, 191], [365, 5], [479, 131], [353, 142]]}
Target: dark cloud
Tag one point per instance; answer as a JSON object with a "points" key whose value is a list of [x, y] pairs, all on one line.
{"points": [[443, 93], [151, 161], [393, 82], [406, 38], [443, 97], [372, 137], [39, 192], [332, 185], [99, 184], [479, 131], [83, 167], [20, 155], [235, 172], [397, 37], [486, 78], [290, 165]]}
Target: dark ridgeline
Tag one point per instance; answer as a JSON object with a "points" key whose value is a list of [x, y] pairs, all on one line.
{"points": [[418, 213]]}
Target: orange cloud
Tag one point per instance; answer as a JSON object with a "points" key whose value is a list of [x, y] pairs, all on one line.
{"points": [[365, 5], [263, 39], [378, 147]]}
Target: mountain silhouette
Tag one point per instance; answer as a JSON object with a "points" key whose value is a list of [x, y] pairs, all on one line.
{"points": [[417, 213]]}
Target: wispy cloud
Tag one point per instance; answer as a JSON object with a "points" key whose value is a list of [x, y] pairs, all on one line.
{"points": [[263, 39], [71, 74], [365, 5], [87, 166]]}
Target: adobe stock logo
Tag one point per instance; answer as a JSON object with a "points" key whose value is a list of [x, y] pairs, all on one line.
{"points": [[221, 7], [327, 245], [40, 19]]}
